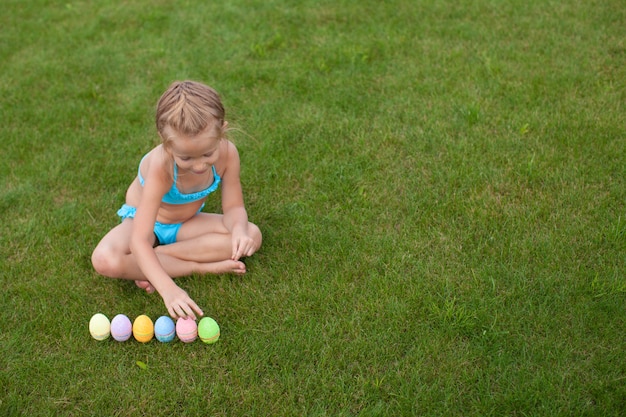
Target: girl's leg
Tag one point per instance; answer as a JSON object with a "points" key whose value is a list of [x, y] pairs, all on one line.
{"points": [[204, 238], [112, 258]]}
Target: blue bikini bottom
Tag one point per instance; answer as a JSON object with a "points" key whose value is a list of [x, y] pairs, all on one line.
{"points": [[165, 233]]}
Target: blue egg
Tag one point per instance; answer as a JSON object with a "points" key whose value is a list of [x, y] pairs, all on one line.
{"points": [[164, 329]]}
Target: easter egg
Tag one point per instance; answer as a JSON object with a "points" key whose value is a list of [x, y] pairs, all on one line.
{"points": [[99, 326], [164, 329], [208, 330], [186, 330], [143, 329], [121, 328]]}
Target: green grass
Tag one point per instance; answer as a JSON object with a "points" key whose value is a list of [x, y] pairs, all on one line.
{"points": [[440, 186]]}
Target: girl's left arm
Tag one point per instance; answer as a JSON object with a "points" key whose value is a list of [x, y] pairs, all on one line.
{"points": [[235, 215]]}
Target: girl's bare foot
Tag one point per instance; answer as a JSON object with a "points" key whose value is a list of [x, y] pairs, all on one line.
{"points": [[222, 267], [145, 285]]}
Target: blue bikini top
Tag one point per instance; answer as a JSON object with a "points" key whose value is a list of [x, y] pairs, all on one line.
{"points": [[174, 196]]}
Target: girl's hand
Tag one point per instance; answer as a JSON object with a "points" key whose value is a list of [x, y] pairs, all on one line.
{"points": [[179, 304], [243, 245]]}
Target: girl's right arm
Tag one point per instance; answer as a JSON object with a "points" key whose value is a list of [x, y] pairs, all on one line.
{"points": [[157, 182]]}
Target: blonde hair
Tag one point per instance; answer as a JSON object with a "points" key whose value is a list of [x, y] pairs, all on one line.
{"points": [[189, 108]]}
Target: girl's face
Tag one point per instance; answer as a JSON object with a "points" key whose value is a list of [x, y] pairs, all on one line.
{"points": [[195, 154]]}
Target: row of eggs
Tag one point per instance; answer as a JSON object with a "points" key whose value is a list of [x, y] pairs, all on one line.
{"points": [[143, 330]]}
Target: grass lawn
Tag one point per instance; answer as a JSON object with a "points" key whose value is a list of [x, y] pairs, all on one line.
{"points": [[440, 184]]}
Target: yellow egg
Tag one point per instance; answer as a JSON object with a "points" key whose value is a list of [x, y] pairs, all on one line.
{"points": [[143, 329], [99, 326]]}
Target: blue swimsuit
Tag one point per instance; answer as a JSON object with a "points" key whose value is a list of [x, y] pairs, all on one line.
{"points": [[166, 233]]}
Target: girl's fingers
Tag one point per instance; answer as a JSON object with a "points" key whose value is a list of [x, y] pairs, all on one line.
{"points": [[187, 310], [235, 248], [242, 247], [194, 307]]}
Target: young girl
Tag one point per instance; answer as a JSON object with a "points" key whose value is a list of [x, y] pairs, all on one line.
{"points": [[163, 233]]}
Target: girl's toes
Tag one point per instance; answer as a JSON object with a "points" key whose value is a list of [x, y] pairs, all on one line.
{"points": [[145, 285]]}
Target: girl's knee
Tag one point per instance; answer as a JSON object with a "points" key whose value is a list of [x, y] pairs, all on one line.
{"points": [[106, 262]]}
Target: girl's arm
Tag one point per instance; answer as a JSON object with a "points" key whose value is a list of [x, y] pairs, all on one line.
{"points": [[157, 182], [235, 216]]}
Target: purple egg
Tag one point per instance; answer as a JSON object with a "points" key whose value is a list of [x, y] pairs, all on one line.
{"points": [[121, 328]]}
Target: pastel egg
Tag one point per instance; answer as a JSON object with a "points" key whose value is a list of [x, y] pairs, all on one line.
{"points": [[186, 330], [99, 326], [143, 329], [121, 328], [164, 329]]}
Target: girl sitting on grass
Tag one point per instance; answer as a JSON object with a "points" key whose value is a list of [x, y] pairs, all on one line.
{"points": [[163, 233]]}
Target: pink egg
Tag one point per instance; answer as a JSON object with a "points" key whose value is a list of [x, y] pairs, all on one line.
{"points": [[121, 328], [186, 330]]}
